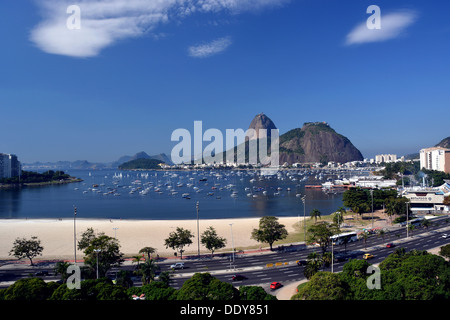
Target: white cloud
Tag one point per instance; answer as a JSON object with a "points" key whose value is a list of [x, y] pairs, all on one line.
{"points": [[105, 22], [208, 49], [392, 26]]}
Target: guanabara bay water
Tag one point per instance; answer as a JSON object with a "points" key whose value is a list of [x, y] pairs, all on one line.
{"points": [[161, 195]]}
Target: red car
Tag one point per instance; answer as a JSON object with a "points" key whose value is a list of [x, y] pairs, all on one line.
{"points": [[275, 285], [390, 245]]}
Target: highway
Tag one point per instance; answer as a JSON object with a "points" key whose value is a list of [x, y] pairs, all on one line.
{"points": [[254, 267], [284, 268]]}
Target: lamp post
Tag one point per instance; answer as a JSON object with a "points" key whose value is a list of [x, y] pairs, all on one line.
{"points": [[198, 231], [232, 242], [97, 251], [115, 228], [332, 256], [75, 233], [407, 225], [304, 216], [371, 193]]}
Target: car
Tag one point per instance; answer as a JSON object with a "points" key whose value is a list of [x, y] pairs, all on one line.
{"points": [[41, 273], [275, 285], [445, 236], [238, 277], [390, 245], [340, 259], [301, 262], [178, 265], [367, 256]]}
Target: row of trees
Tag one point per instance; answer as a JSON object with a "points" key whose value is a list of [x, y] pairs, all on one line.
{"points": [[201, 286]]}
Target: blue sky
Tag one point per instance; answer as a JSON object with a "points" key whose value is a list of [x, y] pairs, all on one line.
{"points": [[137, 70]]}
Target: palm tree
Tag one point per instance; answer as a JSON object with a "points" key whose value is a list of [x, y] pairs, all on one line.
{"points": [[382, 233], [313, 263], [315, 214], [364, 235], [148, 271], [148, 251], [137, 259]]}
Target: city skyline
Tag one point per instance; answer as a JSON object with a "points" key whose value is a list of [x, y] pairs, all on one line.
{"points": [[136, 71]]}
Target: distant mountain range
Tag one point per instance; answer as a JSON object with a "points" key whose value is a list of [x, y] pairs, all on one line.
{"points": [[86, 165]]}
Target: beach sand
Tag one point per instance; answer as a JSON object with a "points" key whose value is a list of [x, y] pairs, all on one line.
{"points": [[57, 236]]}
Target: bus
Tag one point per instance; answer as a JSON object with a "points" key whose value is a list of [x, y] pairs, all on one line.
{"points": [[344, 238]]}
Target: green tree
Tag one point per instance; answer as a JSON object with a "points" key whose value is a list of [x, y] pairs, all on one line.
{"points": [[314, 214], [445, 251], [149, 251], [338, 216], [254, 293], [148, 271], [123, 279], [364, 235], [109, 255], [323, 286], [178, 240], [203, 286], [92, 290], [61, 268], [212, 241], [321, 233], [155, 290], [24, 248], [313, 264], [270, 230], [29, 289]]}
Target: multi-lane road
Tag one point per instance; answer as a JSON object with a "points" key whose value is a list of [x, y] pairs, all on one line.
{"points": [[254, 267], [262, 268]]}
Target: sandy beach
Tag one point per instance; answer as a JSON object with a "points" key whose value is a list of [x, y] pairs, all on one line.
{"points": [[57, 236]]}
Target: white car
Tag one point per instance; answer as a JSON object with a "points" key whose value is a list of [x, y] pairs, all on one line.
{"points": [[178, 265], [445, 236]]}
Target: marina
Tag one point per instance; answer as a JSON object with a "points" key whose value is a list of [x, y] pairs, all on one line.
{"points": [[174, 194]]}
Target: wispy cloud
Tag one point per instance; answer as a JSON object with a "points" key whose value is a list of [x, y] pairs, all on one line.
{"points": [[392, 26], [208, 49], [105, 22]]}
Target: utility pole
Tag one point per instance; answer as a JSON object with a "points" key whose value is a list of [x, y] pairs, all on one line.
{"points": [[97, 251], [304, 216], [198, 231], [75, 233], [407, 224], [371, 193], [232, 242]]}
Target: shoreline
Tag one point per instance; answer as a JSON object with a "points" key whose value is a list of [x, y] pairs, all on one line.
{"points": [[57, 235]]}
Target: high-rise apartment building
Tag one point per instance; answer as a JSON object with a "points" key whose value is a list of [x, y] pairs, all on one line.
{"points": [[436, 158], [9, 166]]}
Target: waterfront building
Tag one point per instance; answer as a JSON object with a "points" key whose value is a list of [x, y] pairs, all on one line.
{"points": [[9, 166], [436, 158], [428, 200]]}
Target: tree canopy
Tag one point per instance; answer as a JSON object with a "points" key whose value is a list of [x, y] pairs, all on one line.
{"points": [[270, 230]]}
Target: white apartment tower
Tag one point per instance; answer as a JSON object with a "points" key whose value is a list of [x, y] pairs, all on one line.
{"points": [[436, 158]]}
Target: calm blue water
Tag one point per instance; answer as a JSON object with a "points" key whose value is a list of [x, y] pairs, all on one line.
{"points": [[119, 195]]}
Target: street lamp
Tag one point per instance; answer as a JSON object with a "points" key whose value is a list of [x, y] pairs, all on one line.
{"points": [[97, 251], [198, 232], [407, 226], [232, 242], [304, 216], [115, 228], [75, 233], [371, 193]]}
